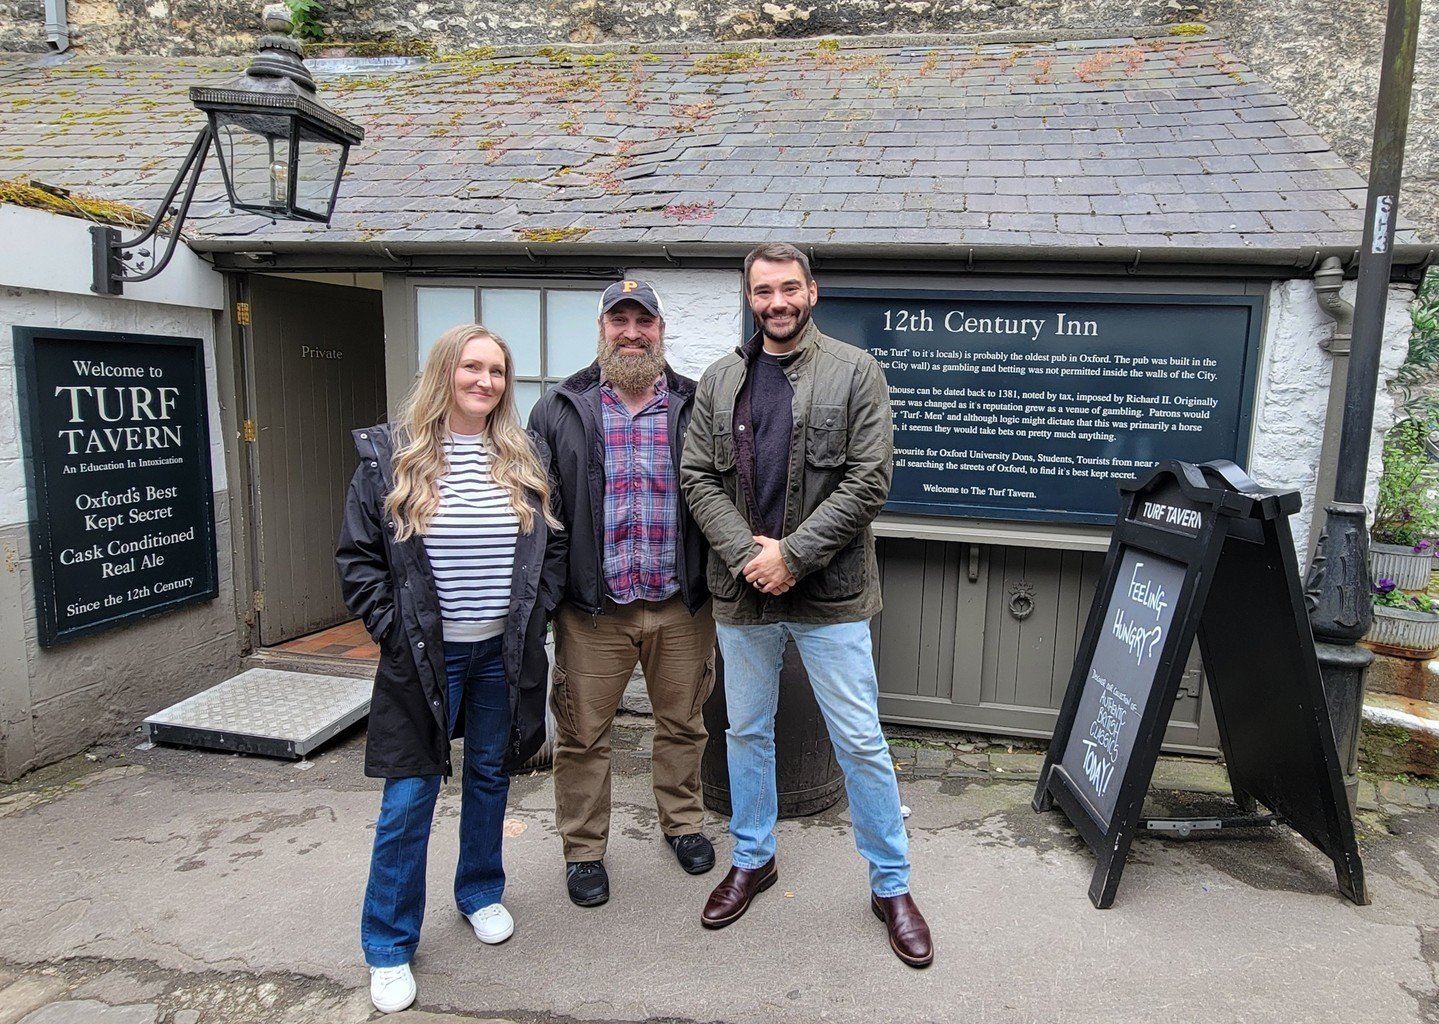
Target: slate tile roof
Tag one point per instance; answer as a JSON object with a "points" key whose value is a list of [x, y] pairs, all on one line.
{"points": [[1162, 143]]}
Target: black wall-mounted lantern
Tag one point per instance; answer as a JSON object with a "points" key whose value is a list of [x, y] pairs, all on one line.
{"points": [[282, 153]]}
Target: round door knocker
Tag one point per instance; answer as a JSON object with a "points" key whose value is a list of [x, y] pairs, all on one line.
{"points": [[1021, 600]]}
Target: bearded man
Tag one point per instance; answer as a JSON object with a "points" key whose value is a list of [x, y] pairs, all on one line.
{"points": [[633, 563]]}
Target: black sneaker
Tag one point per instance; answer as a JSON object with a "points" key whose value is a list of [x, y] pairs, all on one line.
{"points": [[587, 882], [693, 851]]}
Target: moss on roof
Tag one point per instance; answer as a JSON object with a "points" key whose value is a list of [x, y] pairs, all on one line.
{"points": [[70, 204]]}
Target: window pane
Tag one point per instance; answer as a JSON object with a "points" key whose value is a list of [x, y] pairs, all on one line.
{"points": [[514, 314], [317, 167], [527, 393], [439, 309], [571, 330], [257, 153]]}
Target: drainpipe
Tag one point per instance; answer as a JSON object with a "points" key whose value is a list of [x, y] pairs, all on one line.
{"points": [[1327, 280], [57, 26]]}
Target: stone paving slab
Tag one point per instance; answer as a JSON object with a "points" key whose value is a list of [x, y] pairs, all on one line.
{"points": [[20, 995], [229, 887], [90, 1011], [426, 1017], [1018, 765], [1190, 776]]}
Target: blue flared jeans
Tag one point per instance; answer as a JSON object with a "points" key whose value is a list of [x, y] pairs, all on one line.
{"points": [[395, 895], [840, 664]]}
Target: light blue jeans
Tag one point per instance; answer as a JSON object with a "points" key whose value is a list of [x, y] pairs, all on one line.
{"points": [[840, 664]]}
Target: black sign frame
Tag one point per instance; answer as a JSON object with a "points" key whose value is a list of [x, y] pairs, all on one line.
{"points": [[40, 488], [950, 507], [1240, 595]]}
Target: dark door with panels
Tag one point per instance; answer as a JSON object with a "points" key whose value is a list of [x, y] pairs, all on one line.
{"points": [[982, 637], [318, 358]]}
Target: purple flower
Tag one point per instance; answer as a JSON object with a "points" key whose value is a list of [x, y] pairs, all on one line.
{"points": [[1384, 585], [1422, 546]]}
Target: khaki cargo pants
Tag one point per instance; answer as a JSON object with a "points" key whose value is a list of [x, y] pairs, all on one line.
{"points": [[594, 659]]}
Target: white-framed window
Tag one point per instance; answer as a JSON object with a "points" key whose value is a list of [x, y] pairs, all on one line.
{"points": [[550, 328]]}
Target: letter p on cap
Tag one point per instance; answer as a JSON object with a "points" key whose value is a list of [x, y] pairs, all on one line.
{"points": [[633, 291]]}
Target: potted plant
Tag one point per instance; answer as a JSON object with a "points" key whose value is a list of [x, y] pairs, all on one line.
{"points": [[1406, 514], [1405, 625]]}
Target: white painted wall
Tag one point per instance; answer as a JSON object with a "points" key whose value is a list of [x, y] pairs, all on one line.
{"points": [[702, 314], [55, 256], [1293, 392], [55, 702], [45, 282]]}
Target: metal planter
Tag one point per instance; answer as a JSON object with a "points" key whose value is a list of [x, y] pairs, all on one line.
{"points": [[1404, 633], [1407, 568]]}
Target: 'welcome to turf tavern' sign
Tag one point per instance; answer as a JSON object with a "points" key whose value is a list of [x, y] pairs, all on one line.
{"points": [[117, 448]]}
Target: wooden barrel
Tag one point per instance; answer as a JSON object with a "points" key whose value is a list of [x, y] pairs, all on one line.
{"points": [[807, 777]]}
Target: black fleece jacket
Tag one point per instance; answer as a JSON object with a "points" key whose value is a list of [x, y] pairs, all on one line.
{"points": [[568, 419]]}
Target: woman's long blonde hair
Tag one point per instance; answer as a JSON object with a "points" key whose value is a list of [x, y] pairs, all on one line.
{"points": [[424, 430]]}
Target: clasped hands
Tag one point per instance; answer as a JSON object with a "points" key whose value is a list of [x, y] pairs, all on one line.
{"points": [[767, 571]]}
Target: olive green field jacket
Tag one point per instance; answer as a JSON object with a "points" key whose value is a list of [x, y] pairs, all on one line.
{"points": [[841, 459]]}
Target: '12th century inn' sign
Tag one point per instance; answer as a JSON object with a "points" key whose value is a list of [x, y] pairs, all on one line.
{"points": [[1018, 405], [117, 451]]}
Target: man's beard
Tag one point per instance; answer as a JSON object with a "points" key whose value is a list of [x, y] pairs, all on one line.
{"points": [[800, 319], [631, 372]]}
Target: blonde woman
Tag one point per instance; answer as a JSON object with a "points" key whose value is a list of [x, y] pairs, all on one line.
{"points": [[441, 554]]}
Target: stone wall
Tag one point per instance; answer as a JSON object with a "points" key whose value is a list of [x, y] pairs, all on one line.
{"points": [[223, 26]]}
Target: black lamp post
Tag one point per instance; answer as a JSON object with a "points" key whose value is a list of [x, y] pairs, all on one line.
{"points": [[282, 153], [1340, 608]]}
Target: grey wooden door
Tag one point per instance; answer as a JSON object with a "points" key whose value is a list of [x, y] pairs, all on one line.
{"points": [[983, 637], [318, 358]]}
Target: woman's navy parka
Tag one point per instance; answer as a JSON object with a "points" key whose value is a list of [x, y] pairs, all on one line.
{"points": [[390, 586]]}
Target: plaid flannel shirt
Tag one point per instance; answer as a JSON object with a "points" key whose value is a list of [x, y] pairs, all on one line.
{"points": [[641, 499]]}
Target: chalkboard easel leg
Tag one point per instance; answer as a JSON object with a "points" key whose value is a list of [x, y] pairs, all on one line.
{"points": [[1043, 799], [1350, 872], [1105, 882]]}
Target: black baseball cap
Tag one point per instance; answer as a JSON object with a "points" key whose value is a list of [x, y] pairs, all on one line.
{"points": [[634, 291]]}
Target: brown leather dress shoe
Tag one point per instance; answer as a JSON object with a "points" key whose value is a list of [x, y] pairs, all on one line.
{"points": [[731, 898], [908, 932]]}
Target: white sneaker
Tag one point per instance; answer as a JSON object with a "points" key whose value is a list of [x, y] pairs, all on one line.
{"points": [[392, 988], [493, 924]]}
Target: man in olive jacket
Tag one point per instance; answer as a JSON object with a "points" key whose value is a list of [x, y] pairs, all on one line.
{"points": [[787, 463]]}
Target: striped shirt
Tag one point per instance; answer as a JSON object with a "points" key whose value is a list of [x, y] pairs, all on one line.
{"points": [[471, 544]]}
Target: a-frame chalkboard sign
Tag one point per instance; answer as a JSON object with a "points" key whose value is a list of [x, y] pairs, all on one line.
{"points": [[1199, 549]]}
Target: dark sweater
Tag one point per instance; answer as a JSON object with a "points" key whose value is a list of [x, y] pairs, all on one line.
{"points": [[771, 402]]}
